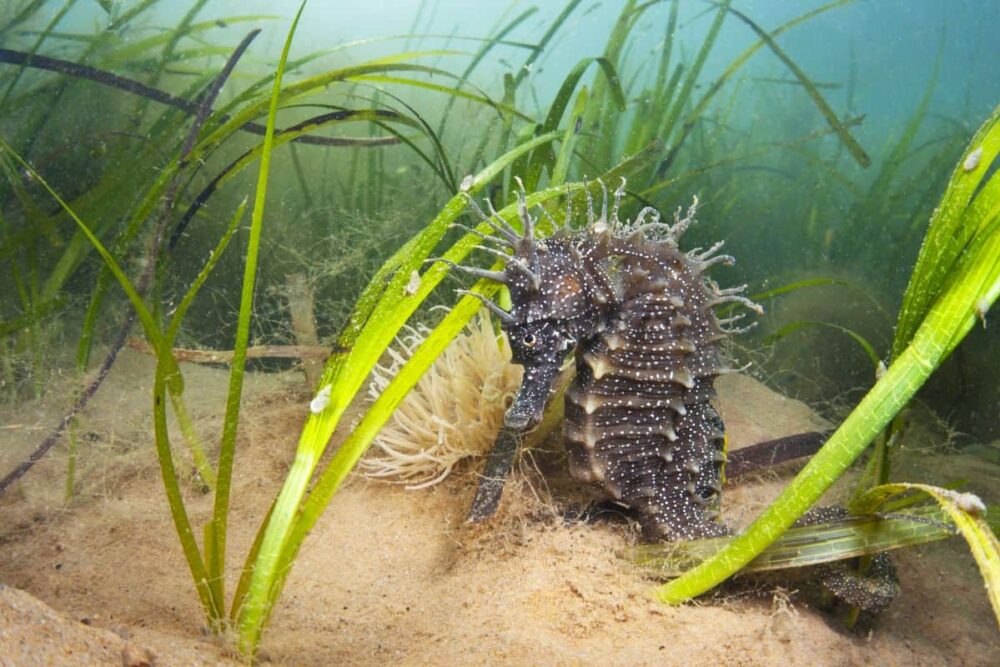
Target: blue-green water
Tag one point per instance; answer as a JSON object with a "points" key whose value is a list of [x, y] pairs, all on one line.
{"points": [[818, 139], [911, 81]]}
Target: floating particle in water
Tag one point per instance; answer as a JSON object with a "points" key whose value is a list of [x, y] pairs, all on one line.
{"points": [[972, 161], [467, 183], [321, 400], [414, 284]]}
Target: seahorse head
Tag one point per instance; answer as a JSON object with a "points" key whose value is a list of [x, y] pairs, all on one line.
{"points": [[551, 312], [552, 306]]}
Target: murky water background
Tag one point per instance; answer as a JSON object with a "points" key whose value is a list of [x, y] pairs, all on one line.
{"points": [[912, 80]]}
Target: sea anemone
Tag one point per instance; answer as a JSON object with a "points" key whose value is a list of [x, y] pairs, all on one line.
{"points": [[453, 413]]}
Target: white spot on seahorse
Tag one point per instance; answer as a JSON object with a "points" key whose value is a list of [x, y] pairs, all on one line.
{"points": [[321, 401], [972, 161], [414, 284], [467, 182]]}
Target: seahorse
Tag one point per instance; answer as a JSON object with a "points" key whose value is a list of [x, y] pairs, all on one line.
{"points": [[638, 315]]}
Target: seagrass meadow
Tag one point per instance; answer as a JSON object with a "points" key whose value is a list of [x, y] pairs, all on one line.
{"points": [[253, 364]]}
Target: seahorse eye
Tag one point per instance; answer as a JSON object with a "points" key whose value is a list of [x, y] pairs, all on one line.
{"points": [[705, 493], [529, 339]]}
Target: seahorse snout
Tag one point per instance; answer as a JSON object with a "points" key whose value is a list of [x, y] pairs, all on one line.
{"points": [[529, 405]]}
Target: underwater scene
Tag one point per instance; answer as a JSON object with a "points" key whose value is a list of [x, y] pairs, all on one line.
{"points": [[437, 332]]}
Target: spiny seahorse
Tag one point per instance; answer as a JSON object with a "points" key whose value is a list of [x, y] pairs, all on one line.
{"points": [[638, 313]]}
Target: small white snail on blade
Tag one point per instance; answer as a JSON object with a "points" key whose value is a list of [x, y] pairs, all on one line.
{"points": [[413, 285], [972, 161], [321, 401], [968, 502]]}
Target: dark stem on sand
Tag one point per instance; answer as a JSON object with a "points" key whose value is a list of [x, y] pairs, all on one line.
{"points": [[495, 473], [770, 453]]}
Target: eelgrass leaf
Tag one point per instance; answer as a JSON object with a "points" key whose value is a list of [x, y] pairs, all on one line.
{"points": [[301, 89], [792, 327], [804, 546], [966, 511], [40, 224], [149, 325], [361, 436], [699, 109], [442, 167], [958, 229], [543, 42], [545, 157], [25, 13], [859, 154], [602, 115], [40, 119], [452, 93], [205, 470], [647, 122], [216, 549], [368, 41], [680, 101], [560, 168], [157, 64], [950, 228], [284, 136], [489, 45], [130, 51], [797, 285], [42, 36]]}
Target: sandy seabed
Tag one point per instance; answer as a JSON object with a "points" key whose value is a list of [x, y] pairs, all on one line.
{"points": [[395, 576]]}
